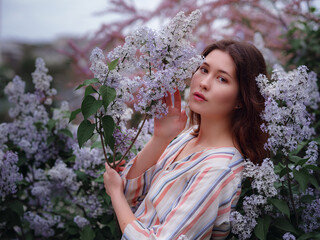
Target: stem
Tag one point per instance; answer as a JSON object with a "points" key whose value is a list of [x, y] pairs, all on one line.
{"points": [[102, 142], [135, 138], [290, 191]]}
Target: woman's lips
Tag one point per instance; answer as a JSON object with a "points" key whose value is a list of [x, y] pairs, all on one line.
{"points": [[199, 97]]}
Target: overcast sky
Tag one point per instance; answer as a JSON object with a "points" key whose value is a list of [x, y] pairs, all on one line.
{"points": [[44, 20]]}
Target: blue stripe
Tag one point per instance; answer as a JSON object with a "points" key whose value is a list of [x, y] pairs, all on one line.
{"points": [[209, 154], [200, 202], [175, 203]]}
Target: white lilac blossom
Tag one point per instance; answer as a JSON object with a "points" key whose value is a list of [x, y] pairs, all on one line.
{"points": [[9, 173], [80, 221], [63, 177], [263, 177], [42, 225], [287, 97], [312, 153], [288, 236], [242, 225], [311, 216], [252, 205], [156, 62]]}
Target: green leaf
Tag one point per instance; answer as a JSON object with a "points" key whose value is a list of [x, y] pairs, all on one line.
{"points": [[88, 82], [302, 178], [85, 132], [113, 64], [74, 114], [313, 167], [295, 159], [108, 95], [81, 175], [51, 124], [111, 143], [90, 106], [312, 235], [108, 127], [51, 139], [87, 233], [66, 132], [17, 207], [313, 181], [285, 225], [97, 144], [307, 198], [281, 205], [89, 90], [262, 227], [99, 179]]}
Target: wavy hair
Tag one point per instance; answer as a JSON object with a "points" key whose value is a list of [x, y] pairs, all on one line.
{"points": [[245, 120]]}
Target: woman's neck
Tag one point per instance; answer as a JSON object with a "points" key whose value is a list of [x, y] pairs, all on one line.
{"points": [[215, 133]]}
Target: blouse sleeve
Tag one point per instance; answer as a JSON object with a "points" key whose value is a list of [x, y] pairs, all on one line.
{"points": [[207, 196], [135, 189]]}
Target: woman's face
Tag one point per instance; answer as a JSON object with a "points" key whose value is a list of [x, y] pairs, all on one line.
{"points": [[214, 87]]}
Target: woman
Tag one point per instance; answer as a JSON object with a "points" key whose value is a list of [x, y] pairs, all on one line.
{"points": [[185, 188]]}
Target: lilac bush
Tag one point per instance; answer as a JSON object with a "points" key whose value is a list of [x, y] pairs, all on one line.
{"points": [[51, 175]]}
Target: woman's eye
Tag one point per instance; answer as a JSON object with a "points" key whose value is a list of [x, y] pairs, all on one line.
{"points": [[204, 70], [222, 79]]}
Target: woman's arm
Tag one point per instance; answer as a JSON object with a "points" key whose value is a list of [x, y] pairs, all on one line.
{"points": [[165, 129]]}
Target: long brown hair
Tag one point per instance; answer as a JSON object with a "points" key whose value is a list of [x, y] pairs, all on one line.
{"points": [[245, 120]]}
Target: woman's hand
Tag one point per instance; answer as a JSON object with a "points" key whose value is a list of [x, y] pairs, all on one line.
{"points": [[170, 125], [112, 182]]}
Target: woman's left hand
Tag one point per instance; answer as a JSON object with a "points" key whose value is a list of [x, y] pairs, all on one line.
{"points": [[112, 181]]}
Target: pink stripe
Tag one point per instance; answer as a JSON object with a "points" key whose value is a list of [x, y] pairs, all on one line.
{"points": [[185, 198], [211, 200]]}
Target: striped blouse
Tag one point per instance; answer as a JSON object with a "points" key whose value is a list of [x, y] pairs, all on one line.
{"points": [[186, 199]]}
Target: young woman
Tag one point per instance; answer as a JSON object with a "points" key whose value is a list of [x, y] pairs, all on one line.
{"points": [[184, 185]]}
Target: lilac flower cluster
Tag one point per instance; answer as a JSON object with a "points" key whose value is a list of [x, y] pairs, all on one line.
{"points": [[30, 114], [63, 177], [9, 173], [263, 177], [42, 225], [88, 160], [311, 216], [91, 204], [242, 225], [287, 97], [159, 61], [80, 221], [288, 236]]}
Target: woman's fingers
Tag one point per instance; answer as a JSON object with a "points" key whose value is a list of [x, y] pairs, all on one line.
{"points": [[177, 100], [168, 100]]}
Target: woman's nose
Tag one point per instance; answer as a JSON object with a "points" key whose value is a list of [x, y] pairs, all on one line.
{"points": [[204, 83]]}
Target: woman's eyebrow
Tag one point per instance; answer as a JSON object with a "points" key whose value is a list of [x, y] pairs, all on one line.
{"points": [[219, 70]]}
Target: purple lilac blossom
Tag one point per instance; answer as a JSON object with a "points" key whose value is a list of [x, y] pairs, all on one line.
{"points": [[91, 204], [288, 236], [166, 59], [242, 225], [287, 97], [80, 221], [9, 173], [311, 216], [88, 160], [63, 177], [42, 225]]}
